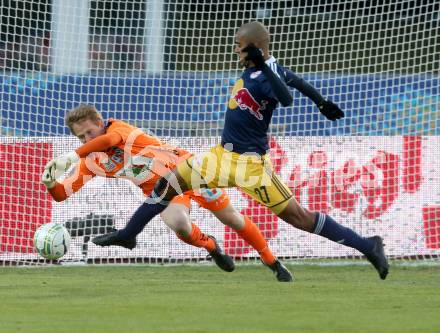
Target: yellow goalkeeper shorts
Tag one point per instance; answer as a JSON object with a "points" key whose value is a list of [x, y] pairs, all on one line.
{"points": [[252, 173]]}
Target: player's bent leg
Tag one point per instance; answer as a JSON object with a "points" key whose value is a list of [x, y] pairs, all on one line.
{"points": [[249, 231], [230, 216], [177, 218], [325, 226], [176, 182], [166, 188]]}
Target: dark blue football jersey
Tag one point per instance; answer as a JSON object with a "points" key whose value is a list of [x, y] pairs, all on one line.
{"points": [[251, 106], [250, 110]]}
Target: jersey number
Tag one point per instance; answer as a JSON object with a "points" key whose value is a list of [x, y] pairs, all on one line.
{"points": [[262, 193]]}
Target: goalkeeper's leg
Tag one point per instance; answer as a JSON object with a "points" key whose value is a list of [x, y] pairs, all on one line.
{"points": [[165, 190], [248, 231], [178, 181], [176, 217]]}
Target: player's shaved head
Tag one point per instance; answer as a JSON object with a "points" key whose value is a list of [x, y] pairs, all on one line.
{"points": [[256, 33]]}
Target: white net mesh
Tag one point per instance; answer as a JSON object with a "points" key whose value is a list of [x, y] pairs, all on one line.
{"points": [[168, 67]]}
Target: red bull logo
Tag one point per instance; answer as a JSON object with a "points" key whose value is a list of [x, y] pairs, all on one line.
{"points": [[245, 101]]}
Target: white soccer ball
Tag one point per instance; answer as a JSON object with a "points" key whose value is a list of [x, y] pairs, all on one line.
{"points": [[51, 240]]}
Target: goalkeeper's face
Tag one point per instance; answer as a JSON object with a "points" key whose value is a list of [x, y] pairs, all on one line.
{"points": [[87, 130]]}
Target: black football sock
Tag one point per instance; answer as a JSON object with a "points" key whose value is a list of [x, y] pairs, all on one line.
{"points": [[327, 227], [144, 214]]}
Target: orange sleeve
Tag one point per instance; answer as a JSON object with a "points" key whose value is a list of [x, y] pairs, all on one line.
{"points": [[101, 143], [57, 192], [129, 132], [73, 183]]}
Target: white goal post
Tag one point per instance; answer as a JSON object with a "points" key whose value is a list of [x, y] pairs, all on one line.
{"points": [[168, 67]]}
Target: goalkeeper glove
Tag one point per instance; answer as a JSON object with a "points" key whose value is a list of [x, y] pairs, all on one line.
{"points": [[48, 176], [64, 162], [330, 110], [255, 55], [57, 167]]}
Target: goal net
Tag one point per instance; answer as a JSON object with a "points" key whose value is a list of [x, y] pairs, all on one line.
{"points": [[168, 67]]}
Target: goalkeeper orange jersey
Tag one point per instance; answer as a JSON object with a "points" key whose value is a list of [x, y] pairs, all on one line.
{"points": [[127, 152], [139, 157]]}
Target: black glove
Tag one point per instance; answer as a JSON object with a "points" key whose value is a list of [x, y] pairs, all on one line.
{"points": [[330, 110], [255, 55]]}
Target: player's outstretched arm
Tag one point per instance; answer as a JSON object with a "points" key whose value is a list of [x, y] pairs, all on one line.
{"points": [[329, 109], [77, 178], [279, 88], [98, 144]]}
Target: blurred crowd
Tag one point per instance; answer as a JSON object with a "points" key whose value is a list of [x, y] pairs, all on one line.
{"points": [[106, 52]]}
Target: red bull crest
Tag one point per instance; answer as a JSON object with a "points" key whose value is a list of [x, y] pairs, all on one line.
{"points": [[246, 101]]}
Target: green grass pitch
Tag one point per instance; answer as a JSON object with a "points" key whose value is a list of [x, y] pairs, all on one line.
{"points": [[187, 298]]}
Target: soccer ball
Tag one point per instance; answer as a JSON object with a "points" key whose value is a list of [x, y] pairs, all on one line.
{"points": [[51, 240]]}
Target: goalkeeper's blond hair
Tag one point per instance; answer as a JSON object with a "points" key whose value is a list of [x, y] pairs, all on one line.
{"points": [[81, 113]]}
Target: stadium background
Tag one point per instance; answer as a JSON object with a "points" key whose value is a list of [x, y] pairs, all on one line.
{"points": [[329, 43], [379, 62]]}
